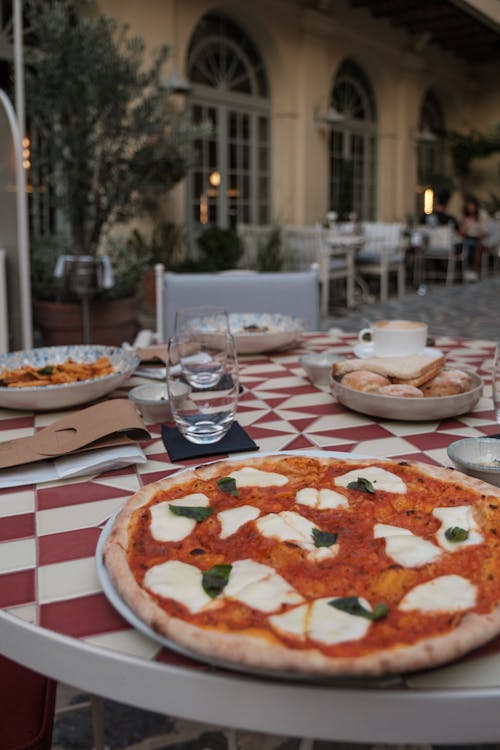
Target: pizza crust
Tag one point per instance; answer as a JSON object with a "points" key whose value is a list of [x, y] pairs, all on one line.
{"points": [[261, 650]]}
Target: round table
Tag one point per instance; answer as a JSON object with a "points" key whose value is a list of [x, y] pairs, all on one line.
{"points": [[55, 618]]}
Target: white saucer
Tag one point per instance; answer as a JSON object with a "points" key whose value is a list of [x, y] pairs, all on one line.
{"points": [[365, 350]]}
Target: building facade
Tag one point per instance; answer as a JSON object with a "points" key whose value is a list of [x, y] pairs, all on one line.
{"points": [[315, 106]]}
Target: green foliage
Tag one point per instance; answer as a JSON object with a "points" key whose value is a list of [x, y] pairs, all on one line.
{"points": [[270, 252], [167, 244], [106, 142], [464, 147], [221, 249], [128, 262]]}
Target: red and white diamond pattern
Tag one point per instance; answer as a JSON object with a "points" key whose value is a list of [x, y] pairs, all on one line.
{"points": [[48, 533]]}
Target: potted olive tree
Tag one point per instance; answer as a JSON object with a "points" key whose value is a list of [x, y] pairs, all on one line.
{"points": [[106, 146]]}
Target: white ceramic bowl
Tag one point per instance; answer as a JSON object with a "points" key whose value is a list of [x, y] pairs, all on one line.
{"points": [[477, 456], [318, 366], [48, 397], [152, 400], [409, 409]]}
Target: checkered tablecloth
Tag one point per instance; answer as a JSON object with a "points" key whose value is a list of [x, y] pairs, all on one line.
{"points": [[49, 533]]}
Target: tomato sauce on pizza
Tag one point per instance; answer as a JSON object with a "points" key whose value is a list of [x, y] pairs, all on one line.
{"points": [[322, 564]]}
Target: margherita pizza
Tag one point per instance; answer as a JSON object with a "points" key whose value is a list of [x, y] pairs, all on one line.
{"points": [[313, 565]]}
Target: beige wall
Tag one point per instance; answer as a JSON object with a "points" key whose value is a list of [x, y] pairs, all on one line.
{"points": [[302, 50]]}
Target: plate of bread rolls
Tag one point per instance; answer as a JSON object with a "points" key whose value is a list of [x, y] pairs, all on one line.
{"points": [[419, 387]]}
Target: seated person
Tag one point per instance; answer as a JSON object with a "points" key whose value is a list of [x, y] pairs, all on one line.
{"points": [[440, 216], [474, 230]]}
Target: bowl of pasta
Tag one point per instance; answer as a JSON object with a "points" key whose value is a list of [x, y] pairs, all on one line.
{"points": [[58, 377]]}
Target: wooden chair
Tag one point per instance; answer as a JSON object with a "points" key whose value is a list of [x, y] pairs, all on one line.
{"points": [[27, 705], [383, 253]]}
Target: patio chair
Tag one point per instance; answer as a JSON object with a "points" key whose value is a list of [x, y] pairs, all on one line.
{"points": [[383, 253], [330, 251], [27, 705], [294, 293], [490, 258], [443, 254]]}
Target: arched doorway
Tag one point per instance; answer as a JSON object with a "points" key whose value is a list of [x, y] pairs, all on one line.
{"points": [[353, 144], [230, 182]]}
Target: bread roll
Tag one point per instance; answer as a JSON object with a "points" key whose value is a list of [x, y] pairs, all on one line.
{"points": [[447, 383], [364, 380], [403, 391]]}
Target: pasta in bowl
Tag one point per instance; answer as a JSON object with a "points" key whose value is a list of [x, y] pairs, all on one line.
{"points": [[58, 377]]}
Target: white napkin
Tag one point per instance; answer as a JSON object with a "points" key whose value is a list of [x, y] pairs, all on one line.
{"points": [[74, 465]]}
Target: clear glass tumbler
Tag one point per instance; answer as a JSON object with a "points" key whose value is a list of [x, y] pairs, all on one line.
{"points": [[209, 365]]}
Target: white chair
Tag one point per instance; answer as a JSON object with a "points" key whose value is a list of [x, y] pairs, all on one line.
{"points": [[254, 237], [330, 251], [294, 293], [383, 252], [442, 245], [337, 262], [492, 249]]}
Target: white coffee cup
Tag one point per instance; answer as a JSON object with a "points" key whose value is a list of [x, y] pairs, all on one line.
{"points": [[395, 338]]}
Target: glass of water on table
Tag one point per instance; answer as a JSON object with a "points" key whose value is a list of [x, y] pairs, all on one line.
{"points": [[203, 355]]}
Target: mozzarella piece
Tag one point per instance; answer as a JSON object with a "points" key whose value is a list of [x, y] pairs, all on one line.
{"points": [[321, 622], [259, 586], [449, 593], [380, 478], [321, 499], [331, 625], [231, 520], [289, 526], [179, 581], [167, 527], [461, 516], [405, 548], [250, 477], [293, 622], [384, 530]]}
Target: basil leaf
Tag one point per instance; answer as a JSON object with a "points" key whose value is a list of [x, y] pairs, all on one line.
{"points": [[362, 485], [227, 485], [323, 538], [352, 606], [456, 534], [47, 370], [215, 579], [196, 513]]}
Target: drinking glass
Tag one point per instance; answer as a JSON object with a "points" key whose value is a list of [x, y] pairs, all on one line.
{"points": [[210, 367], [495, 382]]}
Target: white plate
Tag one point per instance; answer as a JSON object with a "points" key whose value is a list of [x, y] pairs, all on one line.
{"points": [[49, 397], [408, 409], [129, 615], [270, 331], [365, 350]]}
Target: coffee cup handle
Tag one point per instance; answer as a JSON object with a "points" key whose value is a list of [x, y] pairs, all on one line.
{"points": [[362, 333]]}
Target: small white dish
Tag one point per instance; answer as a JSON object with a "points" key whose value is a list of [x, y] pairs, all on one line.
{"points": [[477, 456], [318, 366], [152, 400], [365, 350]]}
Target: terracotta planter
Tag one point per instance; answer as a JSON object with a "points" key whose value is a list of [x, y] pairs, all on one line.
{"points": [[113, 322]]}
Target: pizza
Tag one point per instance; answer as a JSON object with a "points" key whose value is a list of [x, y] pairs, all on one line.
{"points": [[313, 565]]}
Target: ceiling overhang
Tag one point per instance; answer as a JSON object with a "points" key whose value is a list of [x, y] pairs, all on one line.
{"points": [[453, 25]]}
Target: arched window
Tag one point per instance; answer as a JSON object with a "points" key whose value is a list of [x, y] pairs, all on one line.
{"points": [[352, 144], [231, 181], [431, 167]]}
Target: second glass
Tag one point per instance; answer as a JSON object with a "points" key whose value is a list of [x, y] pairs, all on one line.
{"points": [[209, 365]]}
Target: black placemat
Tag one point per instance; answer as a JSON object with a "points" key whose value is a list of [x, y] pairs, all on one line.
{"points": [[178, 448]]}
